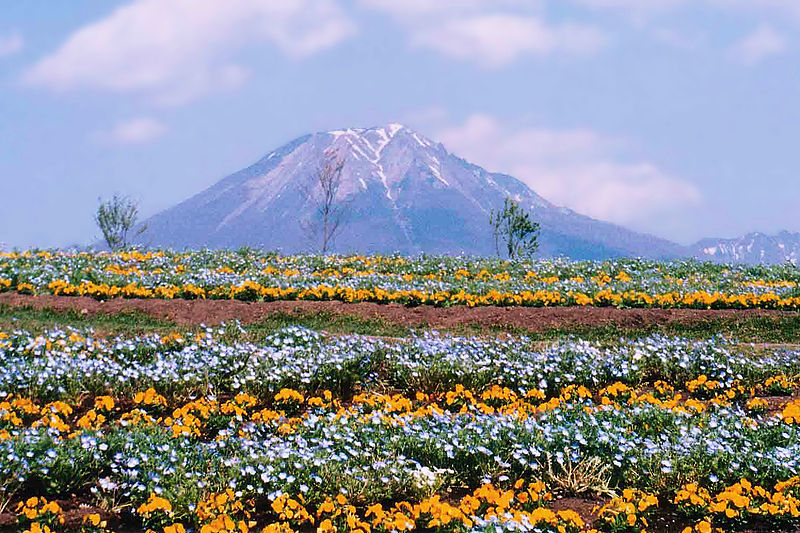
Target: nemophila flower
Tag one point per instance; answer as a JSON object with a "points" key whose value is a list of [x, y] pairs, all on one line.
{"points": [[106, 484], [458, 412]]}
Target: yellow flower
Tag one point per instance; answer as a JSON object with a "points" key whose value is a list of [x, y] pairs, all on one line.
{"points": [[791, 412], [155, 503], [704, 526], [93, 520], [289, 395]]}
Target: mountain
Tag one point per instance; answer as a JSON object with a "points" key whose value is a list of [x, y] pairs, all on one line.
{"points": [[403, 193], [752, 248]]}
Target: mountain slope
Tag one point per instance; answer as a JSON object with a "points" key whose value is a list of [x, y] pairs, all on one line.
{"points": [[403, 193], [751, 248]]}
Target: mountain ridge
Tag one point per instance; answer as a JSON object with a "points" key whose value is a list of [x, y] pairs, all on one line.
{"points": [[405, 192], [751, 248]]}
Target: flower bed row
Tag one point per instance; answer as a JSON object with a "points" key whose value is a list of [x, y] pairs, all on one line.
{"points": [[440, 281], [63, 364], [305, 432]]}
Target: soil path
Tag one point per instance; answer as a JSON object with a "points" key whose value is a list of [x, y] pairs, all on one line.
{"points": [[211, 312]]}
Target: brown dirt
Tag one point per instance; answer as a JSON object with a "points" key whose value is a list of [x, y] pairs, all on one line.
{"points": [[585, 506], [776, 404], [74, 512], [211, 312]]}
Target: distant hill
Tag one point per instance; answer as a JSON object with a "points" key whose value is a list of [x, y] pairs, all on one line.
{"points": [[751, 248], [404, 193]]}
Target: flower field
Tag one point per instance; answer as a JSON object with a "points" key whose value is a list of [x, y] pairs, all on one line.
{"points": [[303, 431], [439, 281]]}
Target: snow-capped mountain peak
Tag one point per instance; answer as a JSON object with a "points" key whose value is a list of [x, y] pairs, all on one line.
{"points": [[402, 192], [755, 247]]}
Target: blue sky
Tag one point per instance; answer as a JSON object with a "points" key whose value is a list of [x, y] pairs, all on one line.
{"points": [[676, 117]]}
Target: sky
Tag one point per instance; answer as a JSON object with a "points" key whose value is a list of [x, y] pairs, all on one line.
{"points": [[679, 118]]}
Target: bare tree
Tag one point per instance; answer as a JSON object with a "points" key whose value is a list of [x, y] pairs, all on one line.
{"points": [[116, 218], [329, 211]]}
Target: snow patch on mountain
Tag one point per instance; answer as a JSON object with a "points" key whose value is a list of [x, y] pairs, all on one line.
{"points": [[752, 248]]}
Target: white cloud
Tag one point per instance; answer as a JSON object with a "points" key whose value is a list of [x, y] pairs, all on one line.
{"points": [[452, 8], [176, 50], [781, 7], [634, 7], [759, 45], [647, 8], [491, 33], [637, 7], [498, 39], [135, 131], [10, 44], [577, 168]]}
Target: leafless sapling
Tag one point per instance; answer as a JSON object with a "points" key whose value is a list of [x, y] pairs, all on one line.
{"points": [[329, 210]]}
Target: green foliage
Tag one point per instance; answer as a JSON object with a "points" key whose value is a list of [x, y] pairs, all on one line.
{"points": [[514, 227], [116, 218]]}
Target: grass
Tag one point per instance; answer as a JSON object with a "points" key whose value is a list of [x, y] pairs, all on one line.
{"points": [[134, 323], [38, 320], [776, 329], [330, 322]]}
